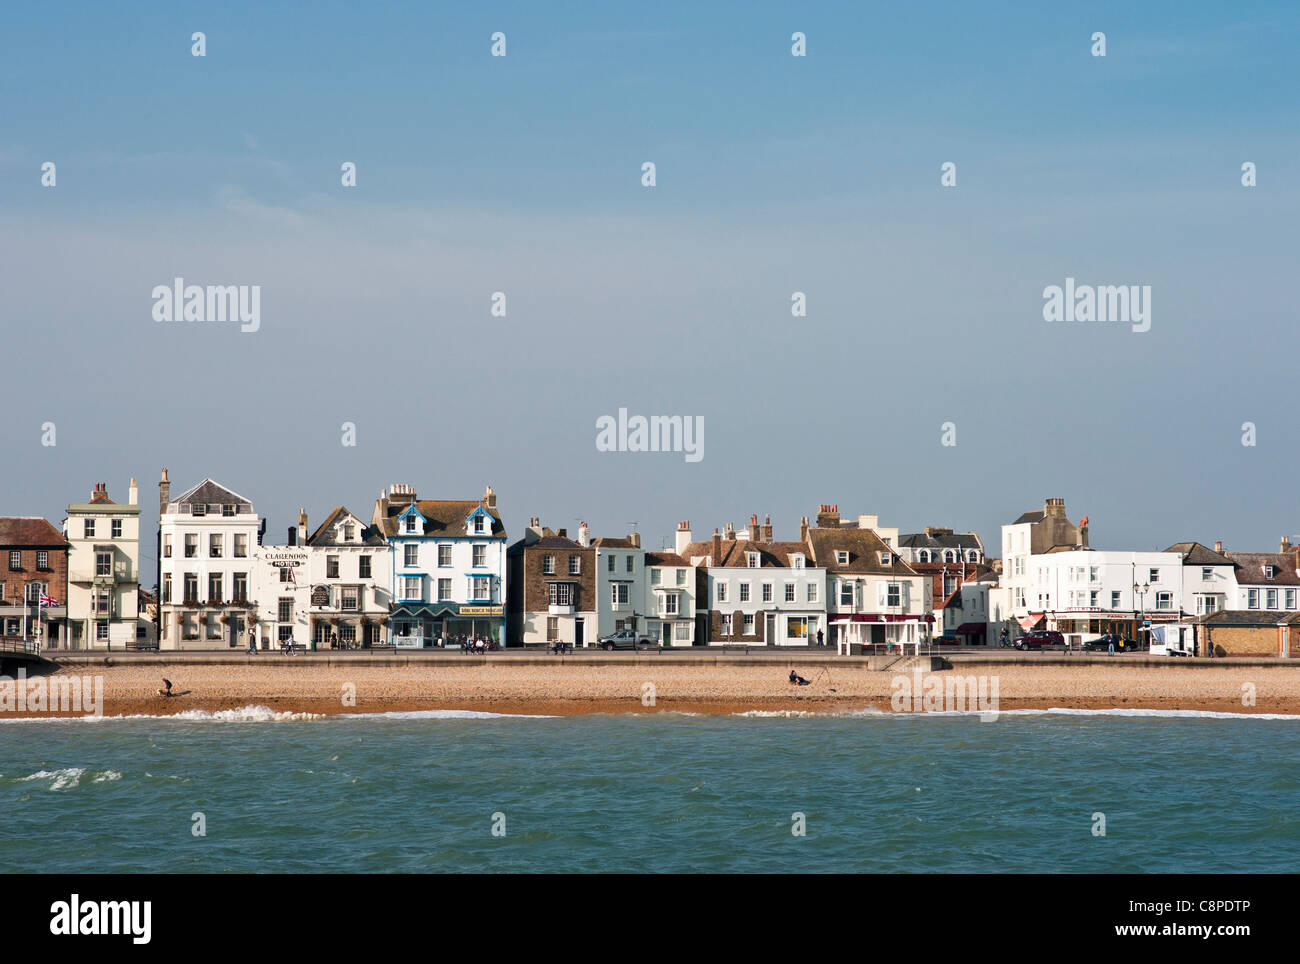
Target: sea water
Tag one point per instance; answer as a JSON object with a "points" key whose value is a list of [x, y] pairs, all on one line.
{"points": [[1122, 791]]}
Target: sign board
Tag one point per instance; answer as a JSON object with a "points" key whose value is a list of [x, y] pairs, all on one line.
{"points": [[481, 610], [320, 596], [285, 560]]}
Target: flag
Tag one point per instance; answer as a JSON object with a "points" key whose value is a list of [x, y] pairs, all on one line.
{"points": [[48, 600]]}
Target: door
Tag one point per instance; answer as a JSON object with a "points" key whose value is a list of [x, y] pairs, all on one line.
{"points": [[666, 633], [579, 632], [770, 638]]}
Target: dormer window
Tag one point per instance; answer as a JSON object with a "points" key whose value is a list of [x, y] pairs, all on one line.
{"points": [[1270, 572], [972, 556], [842, 558], [797, 560], [227, 511], [751, 560], [886, 558], [949, 556], [410, 523], [923, 555], [478, 523], [198, 508], [348, 533]]}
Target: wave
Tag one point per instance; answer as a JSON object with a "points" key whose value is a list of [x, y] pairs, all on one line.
{"points": [[69, 777], [1051, 711], [444, 715]]}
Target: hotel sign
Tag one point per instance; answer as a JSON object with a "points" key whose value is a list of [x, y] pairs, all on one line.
{"points": [[481, 610], [285, 560]]}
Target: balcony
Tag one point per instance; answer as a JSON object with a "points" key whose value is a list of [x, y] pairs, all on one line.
{"points": [[557, 610]]}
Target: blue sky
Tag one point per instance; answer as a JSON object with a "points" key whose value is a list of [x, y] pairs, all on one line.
{"points": [[775, 174]]}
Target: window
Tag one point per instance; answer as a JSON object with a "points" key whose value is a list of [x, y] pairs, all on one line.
{"points": [[15, 560], [214, 587], [796, 560], [348, 531], [548, 565], [102, 603], [349, 600], [1207, 574], [167, 546], [552, 630], [655, 578], [796, 627], [331, 567], [101, 632], [886, 559], [191, 587], [480, 555], [1164, 600], [561, 593], [481, 587], [214, 545], [444, 555], [726, 624], [167, 588], [1154, 575], [812, 592], [610, 561], [42, 560], [191, 545], [88, 529], [1114, 599], [199, 508], [846, 593], [972, 556], [347, 633], [751, 560], [239, 589], [444, 590], [670, 603], [103, 564], [619, 593], [681, 577], [767, 592], [1092, 574], [410, 554], [894, 595], [241, 545], [363, 567], [575, 566], [413, 588], [721, 591], [410, 523], [842, 557], [478, 523], [789, 592], [1290, 599], [285, 609], [115, 529], [228, 511], [923, 555], [629, 561], [286, 574], [749, 624], [1252, 599], [1270, 599], [1270, 572]]}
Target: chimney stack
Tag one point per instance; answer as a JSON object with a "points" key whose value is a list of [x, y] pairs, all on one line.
{"points": [[635, 539], [1054, 509], [717, 548], [302, 527], [683, 536], [584, 535], [767, 528], [164, 492], [1286, 545], [1218, 547], [803, 529], [490, 498], [730, 533], [828, 517], [133, 497]]}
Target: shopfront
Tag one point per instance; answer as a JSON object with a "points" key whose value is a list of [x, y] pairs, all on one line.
{"points": [[421, 625]]}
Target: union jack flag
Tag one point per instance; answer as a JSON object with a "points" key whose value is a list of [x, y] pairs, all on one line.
{"points": [[48, 600]]}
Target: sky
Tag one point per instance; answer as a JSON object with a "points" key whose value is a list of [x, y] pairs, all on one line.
{"points": [[775, 174]]}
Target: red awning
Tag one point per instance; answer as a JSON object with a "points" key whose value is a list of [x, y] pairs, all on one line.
{"points": [[970, 629], [1032, 620]]}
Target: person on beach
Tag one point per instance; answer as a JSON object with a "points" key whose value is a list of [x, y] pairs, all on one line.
{"points": [[797, 680], [168, 690]]}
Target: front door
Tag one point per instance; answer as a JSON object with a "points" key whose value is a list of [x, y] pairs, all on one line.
{"points": [[579, 631], [666, 633], [771, 631]]}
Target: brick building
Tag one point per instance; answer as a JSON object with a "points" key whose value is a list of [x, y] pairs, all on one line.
{"points": [[33, 563]]}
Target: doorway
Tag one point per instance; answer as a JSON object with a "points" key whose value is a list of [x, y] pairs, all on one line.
{"points": [[579, 632]]}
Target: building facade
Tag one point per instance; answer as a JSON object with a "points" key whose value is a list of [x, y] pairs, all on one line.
{"points": [[551, 588], [33, 582], [104, 572]]}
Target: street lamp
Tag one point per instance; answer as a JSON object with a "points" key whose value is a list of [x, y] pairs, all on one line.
{"points": [[1141, 592]]}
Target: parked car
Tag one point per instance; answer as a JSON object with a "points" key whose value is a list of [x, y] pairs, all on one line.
{"points": [[1040, 638], [627, 639], [946, 640], [1102, 644]]}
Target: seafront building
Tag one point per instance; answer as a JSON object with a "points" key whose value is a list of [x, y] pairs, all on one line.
{"points": [[206, 542], [33, 582], [104, 572], [448, 561], [551, 587]]}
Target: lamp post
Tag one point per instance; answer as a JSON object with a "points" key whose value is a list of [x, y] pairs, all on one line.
{"points": [[1141, 592]]}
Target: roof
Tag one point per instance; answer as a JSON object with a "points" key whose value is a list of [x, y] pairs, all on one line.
{"points": [[30, 530], [862, 545], [1248, 617], [1036, 516], [1195, 554], [210, 493], [326, 534], [771, 555], [613, 544], [923, 540], [664, 558], [443, 516], [1250, 568]]}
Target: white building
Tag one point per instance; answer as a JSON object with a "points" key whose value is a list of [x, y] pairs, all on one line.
{"points": [[104, 572], [207, 537], [670, 602], [620, 585]]}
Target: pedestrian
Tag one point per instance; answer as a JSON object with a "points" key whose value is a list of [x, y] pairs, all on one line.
{"points": [[1111, 643], [819, 638]]}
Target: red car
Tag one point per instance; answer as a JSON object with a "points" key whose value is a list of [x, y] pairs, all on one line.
{"points": [[1040, 638]]}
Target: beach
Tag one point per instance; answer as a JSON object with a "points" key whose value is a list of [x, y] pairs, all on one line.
{"points": [[626, 683]]}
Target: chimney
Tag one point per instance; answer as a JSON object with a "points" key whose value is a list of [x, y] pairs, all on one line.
{"points": [[1083, 534], [683, 536], [134, 497], [1054, 509], [302, 527], [753, 534], [730, 534], [828, 517], [584, 535], [937, 531], [868, 522], [803, 529], [1286, 545], [717, 548], [767, 528], [563, 533], [635, 539], [293, 536], [1218, 547], [164, 492]]}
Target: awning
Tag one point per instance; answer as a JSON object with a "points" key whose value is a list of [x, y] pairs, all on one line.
{"points": [[1032, 620], [878, 618], [970, 629]]}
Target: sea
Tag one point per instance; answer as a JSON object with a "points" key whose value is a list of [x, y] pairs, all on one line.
{"points": [[447, 791]]}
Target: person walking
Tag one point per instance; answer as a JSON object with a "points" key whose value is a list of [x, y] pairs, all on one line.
{"points": [[1110, 640]]}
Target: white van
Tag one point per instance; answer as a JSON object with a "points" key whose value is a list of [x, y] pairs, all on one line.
{"points": [[1172, 640]]}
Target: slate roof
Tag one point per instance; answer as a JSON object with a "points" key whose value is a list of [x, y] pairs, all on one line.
{"points": [[613, 543], [445, 517], [771, 555], [863, 547], [923, 540], [1195, 554], [326, 534], [1036, 516], [1248, 617], [210, 493], [30, 531], [1250, 568]]}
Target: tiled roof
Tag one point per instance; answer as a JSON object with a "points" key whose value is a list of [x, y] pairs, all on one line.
{"points": [[663, 558], [1195, 554], [210, 493], [445, 516], [771, 555], [1248, 617], [326, 535], [29, 531], [862, 545], [1036, 516], [1250, 568], [613, 543], [923, 540]]}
